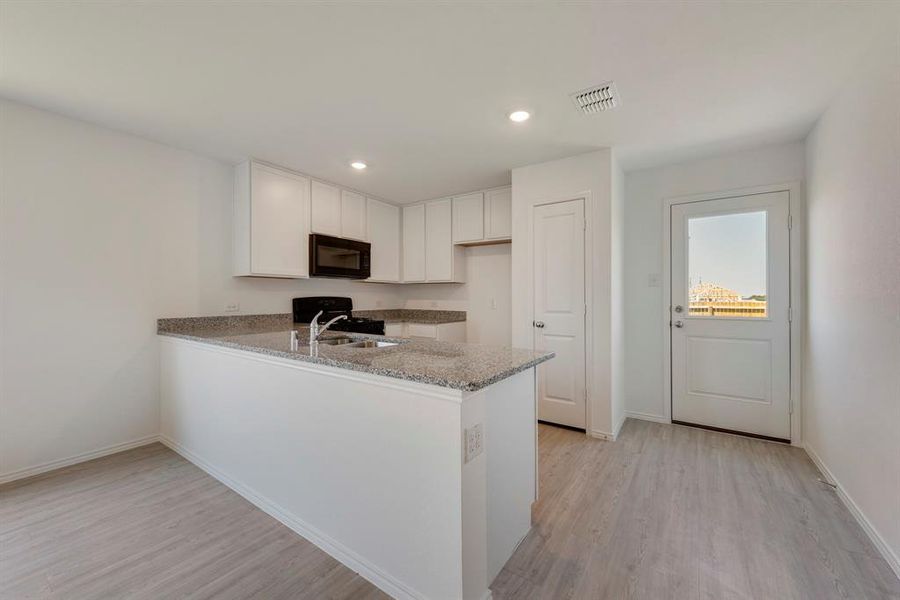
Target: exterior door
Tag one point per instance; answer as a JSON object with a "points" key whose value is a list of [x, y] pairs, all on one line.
{"points": [[730, 312], [559, 309]]}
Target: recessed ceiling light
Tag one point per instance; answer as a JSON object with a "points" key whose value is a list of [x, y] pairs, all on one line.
{"points": [[517, 116], [358, 165]]}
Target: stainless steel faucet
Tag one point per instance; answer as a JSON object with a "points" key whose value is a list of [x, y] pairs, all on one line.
{"points": [[315, 330]]}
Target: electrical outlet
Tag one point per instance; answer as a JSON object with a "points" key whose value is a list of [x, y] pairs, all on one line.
{"points": [[474, 441], [493, 304], [232, 307]]}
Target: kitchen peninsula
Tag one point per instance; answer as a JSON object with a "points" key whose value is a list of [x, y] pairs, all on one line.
{"points": [[413, 463]]}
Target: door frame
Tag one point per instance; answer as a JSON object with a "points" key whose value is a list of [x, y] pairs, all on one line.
{"points": [[797, 265], [585, 198]]}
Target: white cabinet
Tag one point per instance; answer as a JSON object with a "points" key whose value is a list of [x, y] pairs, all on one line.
{"points": [[428, 251], [438, 242], [498, 214], [325, 213], [444, 332], [337, 212], [395, 330], [353, 215], [414, 243], [468, 218], [483, 217], [443, 260], [271, 222], [384, 235]]}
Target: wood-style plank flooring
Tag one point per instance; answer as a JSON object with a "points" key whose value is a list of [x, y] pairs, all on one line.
{"points": [[683, 513], [147, 524], [665, 512]]}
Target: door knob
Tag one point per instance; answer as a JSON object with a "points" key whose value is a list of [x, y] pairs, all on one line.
{"points": [[539, 324], [679, 324], [679, 308]]}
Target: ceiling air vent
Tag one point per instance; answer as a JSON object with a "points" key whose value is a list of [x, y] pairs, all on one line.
{"points": [[597, 98]]}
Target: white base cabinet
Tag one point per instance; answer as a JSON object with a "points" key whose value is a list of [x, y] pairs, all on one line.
{"points": [[271, 222], [398, 502], [444, 332]]}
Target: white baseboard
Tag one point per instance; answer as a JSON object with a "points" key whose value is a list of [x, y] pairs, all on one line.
{"points": [[646, 417], [383, 581], [892, 560], [601, 435], [74, 460]]}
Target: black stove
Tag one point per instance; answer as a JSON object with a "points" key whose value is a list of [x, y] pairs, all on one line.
{"points": [[331, 306]]}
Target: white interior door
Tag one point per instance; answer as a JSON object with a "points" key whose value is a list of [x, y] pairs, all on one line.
{"points": [[559, 310], [730, 314]]}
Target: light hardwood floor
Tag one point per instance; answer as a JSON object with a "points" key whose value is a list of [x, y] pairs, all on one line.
{"points": [[665, 512], [676, 512]]}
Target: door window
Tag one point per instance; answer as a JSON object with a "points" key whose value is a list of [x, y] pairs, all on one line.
{"points": [[727, 266]]}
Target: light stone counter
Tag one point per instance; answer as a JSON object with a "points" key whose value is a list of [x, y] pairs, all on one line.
{"points": [[466, 367]]}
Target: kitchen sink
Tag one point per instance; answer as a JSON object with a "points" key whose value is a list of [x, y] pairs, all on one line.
{"points": [[336, 341], [351, 343], [371, 344]]}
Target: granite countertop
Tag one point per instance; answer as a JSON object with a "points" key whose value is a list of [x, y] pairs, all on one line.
{"points": [[466, 367], [413, 315]]}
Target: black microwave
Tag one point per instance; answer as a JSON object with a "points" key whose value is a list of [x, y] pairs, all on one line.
{"points": [[338, 257]]}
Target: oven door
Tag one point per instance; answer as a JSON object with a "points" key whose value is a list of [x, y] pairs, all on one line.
{"points": [[337, 257]]}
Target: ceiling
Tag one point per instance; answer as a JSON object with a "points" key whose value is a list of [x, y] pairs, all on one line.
{"points": [[421, 91]]}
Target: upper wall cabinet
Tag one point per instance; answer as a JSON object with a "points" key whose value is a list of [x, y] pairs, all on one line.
{"points": [[337, 212], [384, 235], [483, 217], [468, 218], [428, 251], [414, 243], [271, 222], [325, 214], [498, 214], [353, 215]]}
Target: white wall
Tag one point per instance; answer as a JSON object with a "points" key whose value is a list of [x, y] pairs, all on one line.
{"points": [[645, 191], [486, 295], [617, 294], [101, 233], [585, 176], [851, 395]]}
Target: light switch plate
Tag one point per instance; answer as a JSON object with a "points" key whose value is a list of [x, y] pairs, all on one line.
{"points": [[474, 441]]}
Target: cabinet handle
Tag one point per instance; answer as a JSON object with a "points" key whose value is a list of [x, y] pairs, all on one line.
{"points": [[538, 324]]}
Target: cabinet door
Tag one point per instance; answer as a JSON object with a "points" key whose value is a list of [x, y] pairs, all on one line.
{"points": [[394, 330], [498, 214], [279, 234], [325, 215], [353, 215], [438, 241], [384, 235], [414, 243], [468, 218], [420, 330]]}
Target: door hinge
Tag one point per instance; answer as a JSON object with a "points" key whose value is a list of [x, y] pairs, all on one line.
{"points": [[790, 314], [790, 221], [584, 225], [585, 310]]}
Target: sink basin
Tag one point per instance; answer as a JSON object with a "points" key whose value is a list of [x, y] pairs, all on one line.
{"points": [[351, 343], [336, 341], [371, 344]]}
